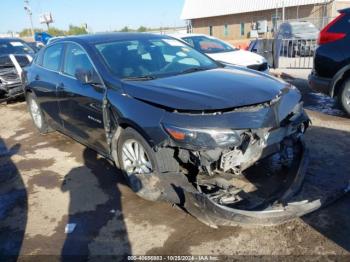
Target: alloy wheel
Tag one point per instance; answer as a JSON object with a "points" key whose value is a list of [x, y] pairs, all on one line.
{"points": [[36, 114], [347, 96], [135, 159]]}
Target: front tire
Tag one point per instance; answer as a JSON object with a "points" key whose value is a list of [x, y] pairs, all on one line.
{"points": [[37, 114], [345, 96], [136, 157]]}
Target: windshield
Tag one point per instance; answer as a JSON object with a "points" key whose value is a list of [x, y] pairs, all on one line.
{"points": [[304, 29], [15, 47], [208, 45], [152, 58]]}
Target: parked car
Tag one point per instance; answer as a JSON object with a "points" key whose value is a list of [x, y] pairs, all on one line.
{"points": [[13, 52], [179, 125], [297, 38], [224, 52], [331, 72], [36, 46]]}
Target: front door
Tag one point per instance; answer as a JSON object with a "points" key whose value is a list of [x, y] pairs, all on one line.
{"points": [[81, 104]]}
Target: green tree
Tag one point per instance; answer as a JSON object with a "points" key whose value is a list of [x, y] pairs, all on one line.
{"points": [[125, 29], [55, 31], [28, 32], [142, 29], [76, 30]]}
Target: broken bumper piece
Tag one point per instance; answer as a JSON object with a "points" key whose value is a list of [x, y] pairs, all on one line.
{"points": [[295, 202]]}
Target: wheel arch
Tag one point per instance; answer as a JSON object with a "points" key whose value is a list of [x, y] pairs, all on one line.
{"points": [[339, 79], [116, 126]]}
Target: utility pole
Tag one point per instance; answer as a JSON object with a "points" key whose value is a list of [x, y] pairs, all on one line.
{"points": [[29, 13]]}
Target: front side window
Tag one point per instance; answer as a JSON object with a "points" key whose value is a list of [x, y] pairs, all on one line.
{"points": [[76, 59], [152, 57], [52, 57]]}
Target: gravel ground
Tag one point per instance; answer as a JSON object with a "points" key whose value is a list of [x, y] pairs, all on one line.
{"points": [[49, 181]]}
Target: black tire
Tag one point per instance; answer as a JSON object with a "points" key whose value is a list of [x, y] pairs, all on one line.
{"points": [[43, 127], [162, 161], [344, 96]]}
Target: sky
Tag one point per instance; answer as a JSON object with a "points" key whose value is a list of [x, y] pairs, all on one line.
{"points": [[100, 15]]}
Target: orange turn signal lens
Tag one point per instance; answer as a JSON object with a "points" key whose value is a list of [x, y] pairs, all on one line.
{"points": [[176, 134]]}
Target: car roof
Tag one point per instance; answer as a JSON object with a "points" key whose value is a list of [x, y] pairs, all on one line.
{"points": [[109, 37], [179, 35], [9, 39]]}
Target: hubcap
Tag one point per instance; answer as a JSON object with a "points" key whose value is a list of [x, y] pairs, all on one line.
{"points": [[36, 114], [135, 159]]}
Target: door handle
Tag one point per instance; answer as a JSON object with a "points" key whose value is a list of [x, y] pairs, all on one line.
{"points": [[37, 77]]}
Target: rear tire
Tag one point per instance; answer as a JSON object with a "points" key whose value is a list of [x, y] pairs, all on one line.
{"points": [[344, 96], [145, 163], [37, 114]]}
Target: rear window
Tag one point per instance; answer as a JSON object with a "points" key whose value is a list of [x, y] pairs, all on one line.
{"points": [[52, 57]]}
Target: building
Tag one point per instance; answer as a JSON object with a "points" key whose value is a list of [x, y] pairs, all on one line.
{"points": [[243, 19]]}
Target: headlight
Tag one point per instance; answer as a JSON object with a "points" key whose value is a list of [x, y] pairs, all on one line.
{"points": [[206, 138]]}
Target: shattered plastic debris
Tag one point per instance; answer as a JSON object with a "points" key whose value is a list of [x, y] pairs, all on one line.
{"points": [[69, 228]]}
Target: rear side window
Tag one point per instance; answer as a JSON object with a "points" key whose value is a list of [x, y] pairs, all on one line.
{"points": [[76, 59], [52, 57]]}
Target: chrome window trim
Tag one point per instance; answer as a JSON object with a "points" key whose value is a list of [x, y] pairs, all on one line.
{"points": [[60, 71]]}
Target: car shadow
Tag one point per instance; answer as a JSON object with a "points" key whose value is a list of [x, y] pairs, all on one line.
{"points": [[13, 205], [89, 223]]}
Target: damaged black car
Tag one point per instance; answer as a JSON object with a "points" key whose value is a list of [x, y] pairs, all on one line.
{"points": [[14, 55], [223, 142]]}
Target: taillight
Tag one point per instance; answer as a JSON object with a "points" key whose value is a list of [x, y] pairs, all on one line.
{"points": [[327, 37]]}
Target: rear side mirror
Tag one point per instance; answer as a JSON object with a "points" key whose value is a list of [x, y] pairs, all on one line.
{"points": [[87, 76]]}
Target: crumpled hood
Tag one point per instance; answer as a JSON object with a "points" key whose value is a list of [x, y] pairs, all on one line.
{"points": [[239, 57], [215, 89]]}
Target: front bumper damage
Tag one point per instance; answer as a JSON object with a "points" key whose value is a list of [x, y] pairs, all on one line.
{"points": [[263, 181], [268, 190], [10, 76], [300, 198]]}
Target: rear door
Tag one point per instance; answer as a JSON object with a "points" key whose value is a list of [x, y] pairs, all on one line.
{"points": [[81, 104], [45, 79]]}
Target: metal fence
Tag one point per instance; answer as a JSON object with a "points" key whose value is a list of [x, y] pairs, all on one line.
{"points": [[295, 53]]}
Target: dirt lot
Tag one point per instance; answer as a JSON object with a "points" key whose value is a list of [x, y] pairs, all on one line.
{"points": [[49, 181]]}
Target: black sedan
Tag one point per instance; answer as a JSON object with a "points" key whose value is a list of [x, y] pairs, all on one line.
{"points": [[180, 126]]}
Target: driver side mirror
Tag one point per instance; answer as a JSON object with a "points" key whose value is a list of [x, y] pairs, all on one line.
{"points": [[87, 76]]}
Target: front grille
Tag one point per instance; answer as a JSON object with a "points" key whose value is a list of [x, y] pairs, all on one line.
{"points": [[259, 67], [9, 75]]}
